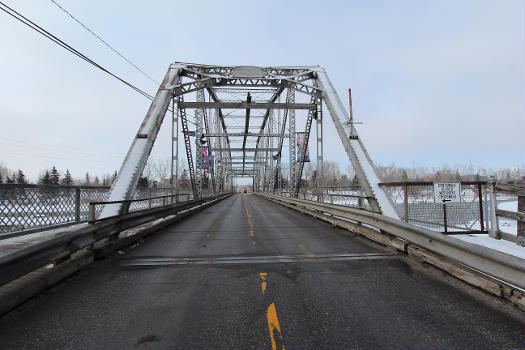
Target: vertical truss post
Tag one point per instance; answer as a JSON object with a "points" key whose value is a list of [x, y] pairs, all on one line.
{"points": [[270, 158], [319, 131], [174, 179], [290, 98], [199, 130], [217, 171], [304, 145], [277, 174], [187, 145]]}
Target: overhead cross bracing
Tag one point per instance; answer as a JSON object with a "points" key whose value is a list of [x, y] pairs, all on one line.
{"points": [[260, 116]]}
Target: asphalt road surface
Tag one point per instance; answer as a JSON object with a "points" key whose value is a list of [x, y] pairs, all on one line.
{"points": [[249, 274]]}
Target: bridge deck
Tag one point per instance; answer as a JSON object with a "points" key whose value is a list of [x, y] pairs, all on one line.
{"points": [[224, 277]]}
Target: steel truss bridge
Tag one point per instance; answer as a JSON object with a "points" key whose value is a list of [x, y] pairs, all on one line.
{"points": [[237, 121], [235, 271]]}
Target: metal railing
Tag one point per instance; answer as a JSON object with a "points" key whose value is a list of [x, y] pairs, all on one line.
{"points": [[25, 207], [414, 203], [350, 196], [149, 202]]}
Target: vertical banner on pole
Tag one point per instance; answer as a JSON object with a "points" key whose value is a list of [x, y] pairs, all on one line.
{"points": [[204, 153], [211, 164], [300, 141]]}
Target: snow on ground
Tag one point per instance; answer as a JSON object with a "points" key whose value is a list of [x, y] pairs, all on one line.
{"points": [[492, 243], [508, 225]]}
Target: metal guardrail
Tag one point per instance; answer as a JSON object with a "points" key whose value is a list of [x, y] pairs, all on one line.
{"points": [[62, 247], [507, 268]]}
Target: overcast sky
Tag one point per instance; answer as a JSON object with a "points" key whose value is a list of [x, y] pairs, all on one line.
{"points": [[434, 82]]}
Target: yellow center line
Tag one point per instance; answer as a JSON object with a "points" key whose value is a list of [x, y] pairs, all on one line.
{"points": [[275, 329], [263, 278]]}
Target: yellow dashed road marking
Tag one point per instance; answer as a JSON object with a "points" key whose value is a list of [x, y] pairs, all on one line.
{"points": [[275, 329]]}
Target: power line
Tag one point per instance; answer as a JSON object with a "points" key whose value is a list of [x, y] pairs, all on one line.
{"points": [[66, 46], [104, 42]]}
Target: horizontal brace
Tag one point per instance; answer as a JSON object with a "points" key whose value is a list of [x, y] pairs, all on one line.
{"points": [[240, 149], [245, 105], [240, 134], [511, 215]]}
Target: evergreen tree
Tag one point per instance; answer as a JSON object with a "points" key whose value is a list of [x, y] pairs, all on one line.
{"points": [[96, 182], [114, 177], [45, 179], [21, 178], [55, 176], [1, 179], [143, 182], [9, 180], [67, 180], [183, 180], [88, 179]]}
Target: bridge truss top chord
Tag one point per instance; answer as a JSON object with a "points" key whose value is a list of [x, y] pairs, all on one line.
{"points": [[207, 95]]}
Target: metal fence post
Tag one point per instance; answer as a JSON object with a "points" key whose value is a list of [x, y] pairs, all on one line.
{"points": [[149, 197], [445, 216], [405, 201], [480, 199], [77, 204], [493, 230]]}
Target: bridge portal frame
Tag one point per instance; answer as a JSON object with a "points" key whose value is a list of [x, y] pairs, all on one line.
{"points": [[184, 79]]}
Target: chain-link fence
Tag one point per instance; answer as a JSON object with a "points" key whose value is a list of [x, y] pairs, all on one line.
{"points": [[414, 203], [24, 207]]}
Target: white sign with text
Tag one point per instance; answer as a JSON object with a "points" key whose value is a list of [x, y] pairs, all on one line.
{"points": [[447, 192]]}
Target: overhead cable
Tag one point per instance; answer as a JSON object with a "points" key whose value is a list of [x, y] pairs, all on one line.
{"points": [[104, 42], [13, 13]]}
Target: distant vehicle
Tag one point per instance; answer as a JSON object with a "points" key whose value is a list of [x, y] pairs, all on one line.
{"points": [[245, 191]]}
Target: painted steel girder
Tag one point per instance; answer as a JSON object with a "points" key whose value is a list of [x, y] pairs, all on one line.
{"points": [[128, 176], [354, 148]]}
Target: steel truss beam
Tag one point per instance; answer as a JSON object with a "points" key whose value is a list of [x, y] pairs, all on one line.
{"points": [[241, 134], [247, 149], [247, 105], [187, 146], [304, 146], [124, 186]]}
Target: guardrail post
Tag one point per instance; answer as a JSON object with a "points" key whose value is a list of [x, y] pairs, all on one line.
{"points": [[494, 229], [91, 213], [77, 204]]}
